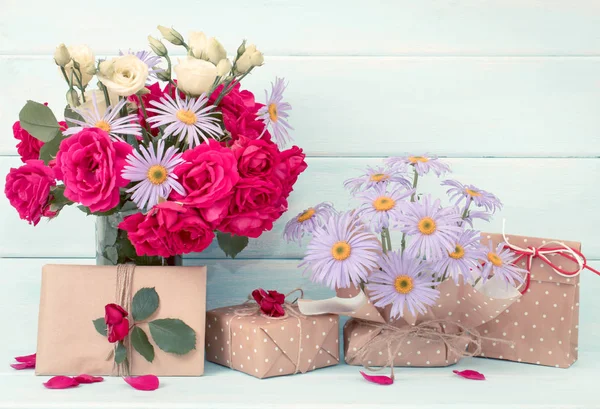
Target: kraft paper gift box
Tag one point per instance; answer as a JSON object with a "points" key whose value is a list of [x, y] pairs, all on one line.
{"points": [[264, 347], [72, 296], [544, 323]]}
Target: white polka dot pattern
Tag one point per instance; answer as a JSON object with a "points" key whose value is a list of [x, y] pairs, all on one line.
{"points": [[270, 347]]}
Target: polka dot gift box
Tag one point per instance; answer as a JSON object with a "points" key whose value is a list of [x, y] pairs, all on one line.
{"points": [[543, 324]]}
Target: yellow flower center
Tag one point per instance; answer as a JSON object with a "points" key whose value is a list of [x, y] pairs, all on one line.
{"points": [[494, 259], [103, 125], [427, 225], [341, 250], [459, 252], [186, 116], [273, 112], [403, 284], [157, 174], [415, 159], [307, 214], [384, 203], [472, 192], [378, 177]]}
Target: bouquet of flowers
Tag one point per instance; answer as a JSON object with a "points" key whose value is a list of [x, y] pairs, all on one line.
{"points": [[177, 160]]}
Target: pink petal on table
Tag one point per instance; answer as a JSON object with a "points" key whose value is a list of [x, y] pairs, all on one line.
{"points": [[23, 365], [26, 358], [143, 383], [378, 379], [84, 378], [61, 382], [469, 374]]}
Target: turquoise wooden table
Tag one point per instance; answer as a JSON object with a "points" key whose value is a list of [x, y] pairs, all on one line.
{"points": [[507, 90]]}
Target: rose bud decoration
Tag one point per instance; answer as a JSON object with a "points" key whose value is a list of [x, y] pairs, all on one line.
{"points": [[270, 302], [117, 323]]}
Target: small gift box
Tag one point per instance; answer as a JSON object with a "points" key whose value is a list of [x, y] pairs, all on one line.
{"points": [[243, 338], [115, 320], [544, 325]]}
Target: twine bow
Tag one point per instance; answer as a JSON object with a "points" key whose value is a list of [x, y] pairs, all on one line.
{"points": [[123, 294], [545, 250]]}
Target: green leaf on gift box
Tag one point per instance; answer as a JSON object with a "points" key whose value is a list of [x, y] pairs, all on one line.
{"points": [[49, 150], [144, 303], [39, 121], [173, 335], [70, 114], [231, 245], [140, 342], [120, 353], [100, 326]]}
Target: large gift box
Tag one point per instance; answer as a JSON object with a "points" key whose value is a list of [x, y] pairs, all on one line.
{"points": [[73, 296], [264, 346], [544, 324]]}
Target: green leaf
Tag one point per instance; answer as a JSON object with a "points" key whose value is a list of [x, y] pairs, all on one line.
{"points": [[70, 114], [144, 303], [120, 353], [39, 121], [100, 326], [110, 252], [231, 245], [49, 150], [140, 343], [173, 335], [88, 212]]}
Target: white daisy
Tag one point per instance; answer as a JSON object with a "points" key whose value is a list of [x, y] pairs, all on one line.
{"points": [[191, 118], [154, 171], [109, 121]]}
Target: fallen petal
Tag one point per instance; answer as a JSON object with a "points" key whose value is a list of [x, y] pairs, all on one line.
{"points": [[143, 383], [469, 374], [84, 378], [61, 382], [378, 379], [26, 358], [23, 365]]}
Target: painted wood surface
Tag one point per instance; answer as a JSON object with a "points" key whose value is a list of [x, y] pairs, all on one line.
{"points": [[381, 106]]}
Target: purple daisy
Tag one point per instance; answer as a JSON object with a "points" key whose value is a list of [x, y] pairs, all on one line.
{"points": [[433, 229], [471, 194], [342, 252], [403, 281], [500, 263], [154, 172], [377, 176], [274, 113], [465, 259], [380, 206], [476, 214], [306, 221], [422, 164]]}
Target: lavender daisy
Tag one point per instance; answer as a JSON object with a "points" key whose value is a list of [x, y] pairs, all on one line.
{"points": [[422, 164], [147, 58], [154, 172], [433, 229], [476, 214], [342, 252], [274, 113], [500, 263], [379, 206], [376, 176], [307, 221], [465, 259], [404, 281], [189, 119], [471, 194], [108, 122]]}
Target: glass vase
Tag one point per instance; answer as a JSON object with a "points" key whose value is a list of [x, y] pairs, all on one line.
{"points": [[113, 247]]}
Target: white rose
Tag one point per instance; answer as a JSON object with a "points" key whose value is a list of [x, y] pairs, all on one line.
{"points": [[206, 48], [195, 76], [223, 67], [124, 75], [100, 101], [86, 60], [250, 58], [62, 56]]}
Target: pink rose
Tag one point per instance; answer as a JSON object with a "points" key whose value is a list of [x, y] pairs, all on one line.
{"points": [[291, 164], [90, 164], [28, 146], [117, 325], [256, 158], [168, 229], [208, 177], [28, 190]]}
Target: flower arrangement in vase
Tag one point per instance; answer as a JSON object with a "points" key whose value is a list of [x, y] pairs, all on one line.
{"points": [[165, 164]]}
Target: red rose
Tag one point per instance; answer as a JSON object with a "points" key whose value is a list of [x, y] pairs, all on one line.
{"points": [[90, 164], [28, 146], [208, 176], [117, 324], [168, 229], [291, 164], [271, 302], [256, 158], [28, 190]]}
